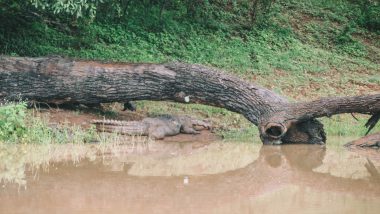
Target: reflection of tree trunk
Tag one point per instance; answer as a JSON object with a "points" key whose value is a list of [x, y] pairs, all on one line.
{"points": [[276, 168], [61, 80], [372, 140]]}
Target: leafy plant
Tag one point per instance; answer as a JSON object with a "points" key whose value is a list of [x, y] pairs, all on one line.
{"points": [[368, 16], [12, 121], [346, 43]]}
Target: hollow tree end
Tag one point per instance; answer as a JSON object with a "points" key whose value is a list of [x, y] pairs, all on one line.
{"points": [[292, 132], [271, 132]]}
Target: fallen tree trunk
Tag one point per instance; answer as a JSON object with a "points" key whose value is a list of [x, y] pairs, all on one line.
{"points": [[61, 80]]}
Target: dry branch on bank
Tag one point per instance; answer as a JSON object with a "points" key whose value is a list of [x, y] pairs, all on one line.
{"points": [[62, 80]]}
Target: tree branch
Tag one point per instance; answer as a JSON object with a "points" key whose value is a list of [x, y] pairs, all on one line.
{"points": [[61, 80]]}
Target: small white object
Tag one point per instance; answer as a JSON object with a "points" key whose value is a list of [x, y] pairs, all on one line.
{"points": [[186, 180], [187, 99]]}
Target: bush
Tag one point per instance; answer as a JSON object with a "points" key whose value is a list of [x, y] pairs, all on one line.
{"points": [[19, 126], [370, 14], [347, 44], [12, 121]]}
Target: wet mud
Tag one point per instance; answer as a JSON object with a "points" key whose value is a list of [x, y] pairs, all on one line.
{"points": [[194, 177]]}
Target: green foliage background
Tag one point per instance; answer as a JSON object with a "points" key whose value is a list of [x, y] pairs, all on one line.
{"points": [[254, 36]]}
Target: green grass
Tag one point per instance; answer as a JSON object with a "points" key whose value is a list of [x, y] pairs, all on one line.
{"points": [[346, 125], [19, 125], [318, 46]]}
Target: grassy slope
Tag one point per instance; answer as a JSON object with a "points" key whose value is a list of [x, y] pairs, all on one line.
{"points": [[306, 50]]}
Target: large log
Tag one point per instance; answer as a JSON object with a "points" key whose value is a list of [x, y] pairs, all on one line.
{"points": [[62, 80]]}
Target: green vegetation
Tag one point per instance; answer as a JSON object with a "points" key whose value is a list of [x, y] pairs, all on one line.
{"points": [[12, 121], [294, 36], [17, 125], [301, 49]]}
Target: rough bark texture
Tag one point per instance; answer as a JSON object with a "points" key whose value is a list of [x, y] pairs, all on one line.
{"points": [[61, 80]]}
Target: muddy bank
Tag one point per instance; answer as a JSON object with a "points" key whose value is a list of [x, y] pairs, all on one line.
{"points": [[216, 177], [82, 118]]}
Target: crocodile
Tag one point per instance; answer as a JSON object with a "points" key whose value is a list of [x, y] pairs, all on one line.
{"points": [[154, 127]]}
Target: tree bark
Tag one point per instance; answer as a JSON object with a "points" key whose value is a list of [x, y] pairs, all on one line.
{"points": [[61, 80]]}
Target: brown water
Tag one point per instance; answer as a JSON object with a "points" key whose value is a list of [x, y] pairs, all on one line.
{"points": [[188, 178]]}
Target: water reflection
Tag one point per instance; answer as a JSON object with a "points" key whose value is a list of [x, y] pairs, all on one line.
{"points": [[251, 178]]}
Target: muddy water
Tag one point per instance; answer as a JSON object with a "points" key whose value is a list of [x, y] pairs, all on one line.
{"points": [[159, 177]]}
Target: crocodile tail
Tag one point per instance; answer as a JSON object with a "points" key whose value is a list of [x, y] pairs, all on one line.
{"points": [[121, 127], [112, 122]]}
